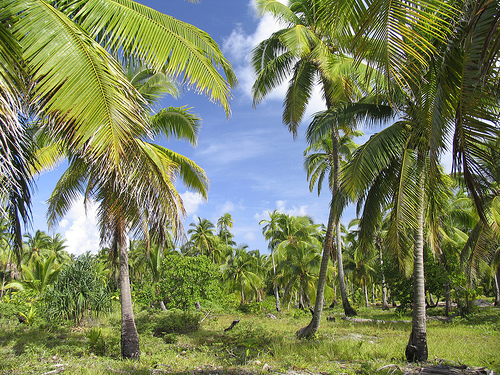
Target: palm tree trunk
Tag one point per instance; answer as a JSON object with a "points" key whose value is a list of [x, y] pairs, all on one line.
{"points": [[348, 310], [385, 306], [497, 288], [276, 291], [367, 302], [416, 350], [129, 336], [311, 329]]}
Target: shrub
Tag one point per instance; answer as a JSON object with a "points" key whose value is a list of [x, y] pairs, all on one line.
{"points": [[186, 280], [176, 321], [77, 290]]}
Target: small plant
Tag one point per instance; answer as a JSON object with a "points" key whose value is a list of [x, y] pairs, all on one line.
{"points": [[27, 318], [97, 345]]}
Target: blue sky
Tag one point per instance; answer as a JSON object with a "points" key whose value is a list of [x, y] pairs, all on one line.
{"points": [[253, 164]]}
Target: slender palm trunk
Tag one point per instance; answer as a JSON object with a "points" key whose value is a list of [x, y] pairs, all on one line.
{"points": [[385, 306], [348, 310], [311, 329], [367, 302], [276, 291], [416, 350], [129, 336], [497, 288]]}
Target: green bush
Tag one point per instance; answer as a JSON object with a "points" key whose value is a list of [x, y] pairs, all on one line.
{"points": [[175, 321], [77, 290], [187, 279]]}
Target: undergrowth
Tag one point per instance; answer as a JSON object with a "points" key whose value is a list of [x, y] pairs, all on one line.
{"points": [[179, 342]]}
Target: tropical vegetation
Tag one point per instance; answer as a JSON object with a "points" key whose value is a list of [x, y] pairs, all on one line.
{"points": [[78, 83]]}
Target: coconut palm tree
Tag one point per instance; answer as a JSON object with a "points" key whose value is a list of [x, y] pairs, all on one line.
{"points": [[129, 201], [271, 234], [57, 69], [444, 55], [241, 272], [312, 55], [202, 240], [225, 224]]}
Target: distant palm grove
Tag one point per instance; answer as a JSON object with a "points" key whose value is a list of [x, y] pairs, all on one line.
{"points": [[79, 79]]}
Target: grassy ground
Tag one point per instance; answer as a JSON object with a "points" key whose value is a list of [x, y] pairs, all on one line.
{"points": [[257, 344]]}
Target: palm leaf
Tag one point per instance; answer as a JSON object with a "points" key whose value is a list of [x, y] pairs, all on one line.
{"points": [[157, 39]]}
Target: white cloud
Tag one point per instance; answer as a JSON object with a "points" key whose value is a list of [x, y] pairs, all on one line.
{"points": [[227, 207], [238, 47], [191, 202], [282, 208], [82, 234]]}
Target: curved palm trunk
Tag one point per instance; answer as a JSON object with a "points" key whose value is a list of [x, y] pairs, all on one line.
{"points": [[497, 288], [129, 335], [311, 329], [416, 350]]}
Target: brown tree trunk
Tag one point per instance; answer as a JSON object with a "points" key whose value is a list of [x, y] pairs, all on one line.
{"points": [[129, 335], [416, 350]]}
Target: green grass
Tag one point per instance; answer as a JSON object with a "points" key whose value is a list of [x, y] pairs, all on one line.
{"points": [[256, 343]]}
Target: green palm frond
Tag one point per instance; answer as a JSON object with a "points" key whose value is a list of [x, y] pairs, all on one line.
{"points": [[397, 35], [191, 174], [298, 94], [279, 10], [84, 89], [176, 122], [372, 157], [157, 39]]}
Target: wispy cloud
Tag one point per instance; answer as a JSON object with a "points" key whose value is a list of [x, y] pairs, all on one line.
{"points": [[281, 206]]}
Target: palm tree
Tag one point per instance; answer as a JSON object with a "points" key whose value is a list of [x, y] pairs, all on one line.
{"points": [[242, 272], [202, 240], [225, 224], [320, 163], [129, 201], [446, 62], [297, 254], [58, 69], [36, 246], [271, 234], [37, 275], [306, 49]]}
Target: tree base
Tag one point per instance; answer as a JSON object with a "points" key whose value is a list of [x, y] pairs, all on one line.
{"points": [[349, 311], [130, 341], [416, 350], [306, 332]]}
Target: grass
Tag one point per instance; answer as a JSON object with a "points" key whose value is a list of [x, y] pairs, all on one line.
{"points": [[256, 344]]}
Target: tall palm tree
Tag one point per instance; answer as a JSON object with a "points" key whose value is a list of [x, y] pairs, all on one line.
{"points": [[271, 234], [225, 224], [320, 163], [444, 55], [312, 55], [57, 68], [129, 201]]}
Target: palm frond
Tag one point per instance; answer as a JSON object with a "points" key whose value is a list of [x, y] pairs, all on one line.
{"points": [[157, 39]]}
